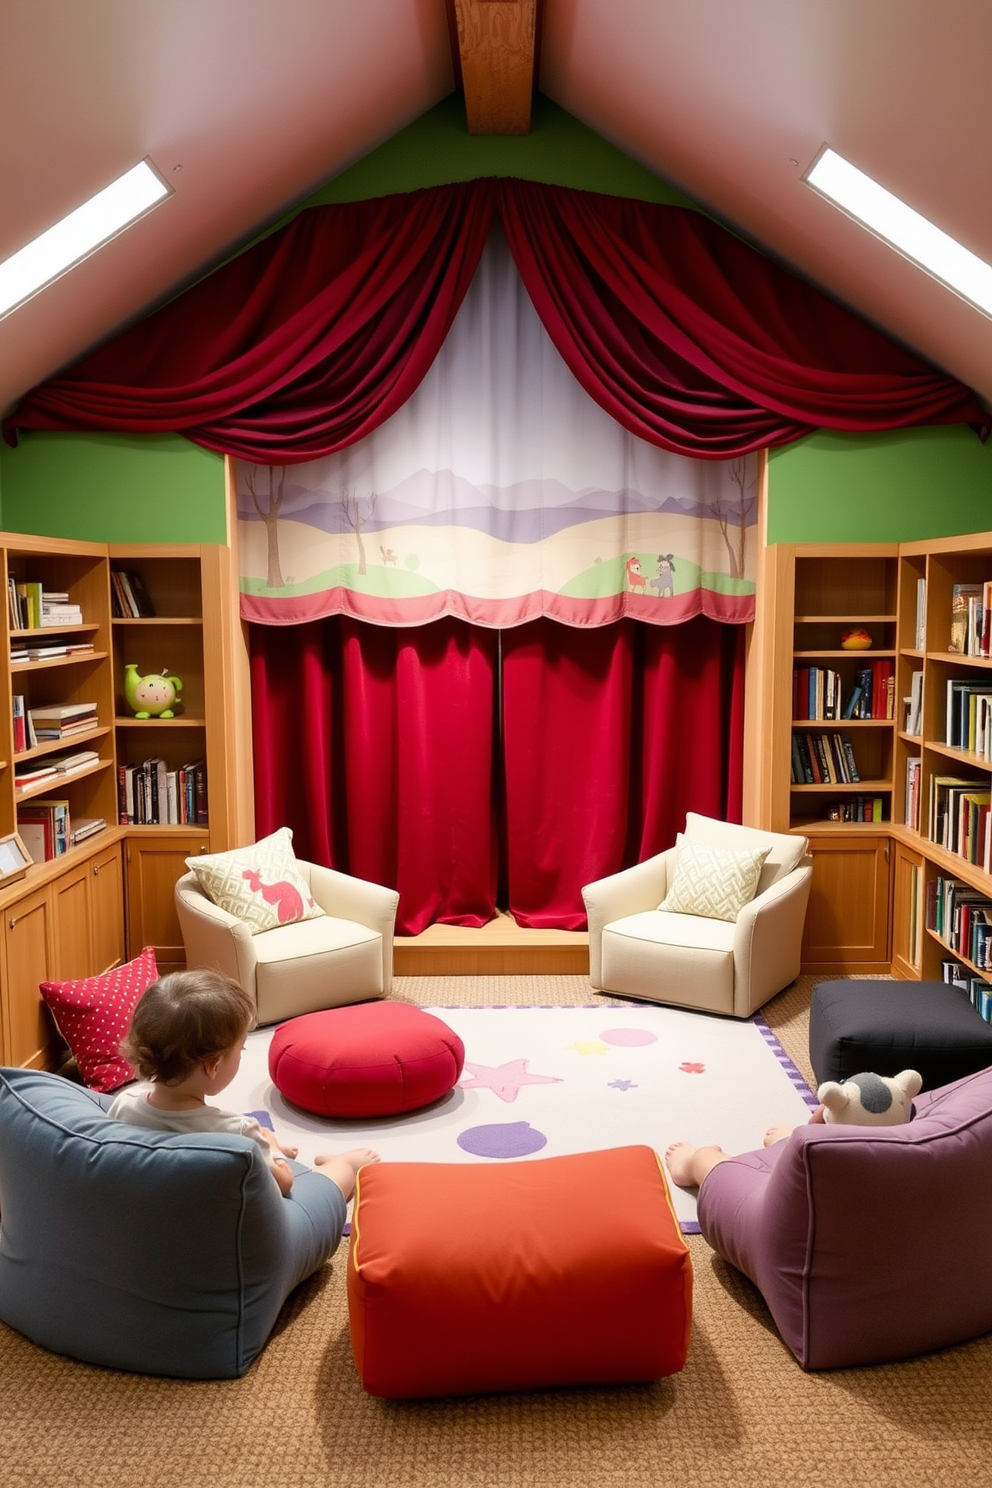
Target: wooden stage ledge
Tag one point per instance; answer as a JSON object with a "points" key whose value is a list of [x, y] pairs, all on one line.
{"points": [[500, 948]]}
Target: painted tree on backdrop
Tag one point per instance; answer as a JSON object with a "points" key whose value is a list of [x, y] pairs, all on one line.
{"points": [[269, 514], [734, 514]]}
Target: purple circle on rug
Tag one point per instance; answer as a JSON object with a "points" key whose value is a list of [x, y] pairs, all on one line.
{"points": [[502, 1139], [629, 1038]]}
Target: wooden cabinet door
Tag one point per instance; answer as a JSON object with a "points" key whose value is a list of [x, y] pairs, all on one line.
{"points": [[907, 912], [28, 960], [71, 923], [154, 864], [106, 877], [848, 916]]}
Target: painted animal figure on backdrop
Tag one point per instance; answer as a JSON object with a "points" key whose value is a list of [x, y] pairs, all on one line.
{"points": [[635, 574], [665, 581]]}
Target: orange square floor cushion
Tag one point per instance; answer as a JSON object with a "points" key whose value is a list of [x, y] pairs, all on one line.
{"points": [[465, 1278]]}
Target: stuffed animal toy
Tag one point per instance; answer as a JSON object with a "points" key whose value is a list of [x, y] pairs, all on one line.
{"points": [[870, 1100]]}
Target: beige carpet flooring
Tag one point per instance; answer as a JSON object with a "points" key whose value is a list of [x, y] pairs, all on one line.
{"points": [[742, 1413]]}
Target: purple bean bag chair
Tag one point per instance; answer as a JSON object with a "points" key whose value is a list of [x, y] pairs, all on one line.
{"points": [[869, 1244]]}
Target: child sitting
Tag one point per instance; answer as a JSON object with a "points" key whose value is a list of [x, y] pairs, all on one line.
{"points": [[186, 1039]]}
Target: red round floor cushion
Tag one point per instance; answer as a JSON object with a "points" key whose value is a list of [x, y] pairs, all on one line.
{"points": [[372, 1059]]}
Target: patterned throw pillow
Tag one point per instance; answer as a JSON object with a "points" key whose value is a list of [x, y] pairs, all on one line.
{"points": [[715, 882], [260, 884], [94, 1013]]}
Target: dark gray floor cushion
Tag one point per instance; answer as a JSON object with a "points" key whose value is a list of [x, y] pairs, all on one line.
{"points": [[888, 1026]]}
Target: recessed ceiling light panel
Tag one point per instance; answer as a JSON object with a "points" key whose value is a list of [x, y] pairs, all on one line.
{"points": [[79, 234], [904, 229]]}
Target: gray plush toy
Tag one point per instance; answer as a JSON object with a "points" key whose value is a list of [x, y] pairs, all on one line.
{"points": [[870, 1100]]}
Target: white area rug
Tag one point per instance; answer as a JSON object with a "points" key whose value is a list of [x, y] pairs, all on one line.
{"points": [[541, 1081]]}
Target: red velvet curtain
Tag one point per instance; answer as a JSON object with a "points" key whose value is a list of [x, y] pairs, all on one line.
{"points": [[376, 745], [610, 737], [312, 338]]}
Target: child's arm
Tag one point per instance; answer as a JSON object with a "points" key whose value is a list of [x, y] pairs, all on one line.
{"points": [[283, 1174]]}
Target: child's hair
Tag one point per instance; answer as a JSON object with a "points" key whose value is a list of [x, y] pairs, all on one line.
{"points": [[183, 1019]]}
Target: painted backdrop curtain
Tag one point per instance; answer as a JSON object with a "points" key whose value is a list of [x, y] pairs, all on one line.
{"points": [[499, 492], [402, 773], [311, 338]]}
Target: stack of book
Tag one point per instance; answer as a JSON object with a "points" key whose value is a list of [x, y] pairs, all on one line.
{"points": [[44, 828], [873, 693], [29, 772], [85, 826], [976, 989], [63, 720], [815, 693], [962, 918], [130, 598], [857, 809], [959, 818], [150, 793], [57, 610], [24, 734], [968, 721], [23, 604], [68, 764], [823, 759], [971, 619]]}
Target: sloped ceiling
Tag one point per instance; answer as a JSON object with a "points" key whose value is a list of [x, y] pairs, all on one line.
{"points": [[246, 105]]}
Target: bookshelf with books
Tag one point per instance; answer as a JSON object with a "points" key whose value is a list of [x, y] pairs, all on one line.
{"points": [[69, 731], [927, 606], [945, 800], [58, 768], [174, 611], [831, 721]]}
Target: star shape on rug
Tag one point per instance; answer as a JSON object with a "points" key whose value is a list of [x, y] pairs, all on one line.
{"points": [[589, 1046], [504, 1080], [690, 1068], [622, 1085]]}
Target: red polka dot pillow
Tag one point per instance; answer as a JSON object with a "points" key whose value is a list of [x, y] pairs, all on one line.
{"points": [[94, 1013]]}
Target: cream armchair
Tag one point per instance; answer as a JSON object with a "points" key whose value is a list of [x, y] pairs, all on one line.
{"points": [[345, 955], [717, 966]]}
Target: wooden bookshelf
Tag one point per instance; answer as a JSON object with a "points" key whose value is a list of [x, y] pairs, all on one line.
{"points": [[66, 917], [873, 881]]}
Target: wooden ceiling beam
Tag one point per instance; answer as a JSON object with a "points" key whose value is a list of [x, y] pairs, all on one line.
{"points": [[496, 47]]}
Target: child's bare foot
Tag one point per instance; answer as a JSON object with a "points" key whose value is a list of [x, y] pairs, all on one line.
{"points": [[288, 1151], [689, 1165], [342, 1167], [776, 1134]]}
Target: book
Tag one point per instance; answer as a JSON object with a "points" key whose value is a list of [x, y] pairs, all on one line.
{"points": [[145, 608], [20, 723], [66, 763], [915, 714], [28, 774], [86, 826], [56, 814], [921, 615], [36, 834], [960, 596]]}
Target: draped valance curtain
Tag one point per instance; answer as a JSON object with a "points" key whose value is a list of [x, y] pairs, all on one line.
{"points": [[310, 339]]}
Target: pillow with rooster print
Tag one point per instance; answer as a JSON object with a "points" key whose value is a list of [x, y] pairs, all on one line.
{"points": [[261, 884]]}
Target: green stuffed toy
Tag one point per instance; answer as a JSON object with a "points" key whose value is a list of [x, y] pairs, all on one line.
{"points": [[153, 696]]}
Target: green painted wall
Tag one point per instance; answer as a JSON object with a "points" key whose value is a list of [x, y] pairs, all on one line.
{"points": [[113, 488], [894, 487], [437, 148], [827, 488]]}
